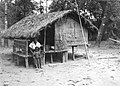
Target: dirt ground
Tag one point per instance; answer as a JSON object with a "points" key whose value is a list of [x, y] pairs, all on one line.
{"points": [[102, 69]]}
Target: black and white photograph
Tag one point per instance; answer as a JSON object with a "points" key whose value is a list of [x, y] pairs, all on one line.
{"points": [[59, 43]]}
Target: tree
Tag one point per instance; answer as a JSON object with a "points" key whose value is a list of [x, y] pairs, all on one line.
{"points": [[24, 8], [105, 11], [109, 15], [60, 5], [11, 13], [39, 8], [1, 15], [10, 16], [16, 11]]}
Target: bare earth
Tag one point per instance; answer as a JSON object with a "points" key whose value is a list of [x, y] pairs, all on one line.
{"points": [[102, 69]]}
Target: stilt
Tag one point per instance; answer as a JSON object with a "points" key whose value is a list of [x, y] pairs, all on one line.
{"points": [[39, 66], [66, 56], [26, 62], [43, 61], [63, 56], [51, 58], [17, 60], [73, 54]]}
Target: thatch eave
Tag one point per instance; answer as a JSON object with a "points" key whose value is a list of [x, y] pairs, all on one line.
{"points": [[31, 25]]}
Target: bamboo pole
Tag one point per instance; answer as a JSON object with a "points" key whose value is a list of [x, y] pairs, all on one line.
{"points": [[86, 48], [44, 46]]}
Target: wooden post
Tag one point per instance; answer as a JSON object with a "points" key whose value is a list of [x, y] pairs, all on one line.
{"points": [[66, 56], [27, 47], [17, 60], [83, 34], [63, 56], [44, 45], [13, 54], [73, 54], [26, 58], [26, 62], [51, 58]]}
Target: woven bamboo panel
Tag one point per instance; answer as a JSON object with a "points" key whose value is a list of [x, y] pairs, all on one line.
{"points": [[68, 32], [20, 46], [60, 41]]}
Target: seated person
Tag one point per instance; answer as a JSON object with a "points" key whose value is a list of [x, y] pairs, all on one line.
{"points": [[34, 44], [35, 48]]}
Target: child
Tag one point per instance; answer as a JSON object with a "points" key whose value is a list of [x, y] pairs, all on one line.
{"points": [[35, 49]]}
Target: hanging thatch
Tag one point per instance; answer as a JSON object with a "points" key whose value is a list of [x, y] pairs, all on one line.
{"points": [[31, 25]]}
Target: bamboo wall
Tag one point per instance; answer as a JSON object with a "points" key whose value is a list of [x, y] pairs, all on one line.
{"points": [[68, 32]]}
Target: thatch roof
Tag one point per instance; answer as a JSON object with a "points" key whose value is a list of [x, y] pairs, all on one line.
{"points": [[31, 25]]}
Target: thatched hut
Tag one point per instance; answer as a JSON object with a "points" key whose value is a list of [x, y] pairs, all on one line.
{"points": [[59, 29]]}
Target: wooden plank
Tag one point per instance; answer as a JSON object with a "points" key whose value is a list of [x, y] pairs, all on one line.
{"points": [[51, 51], [21, 55], [22, 39], [114, 40]]}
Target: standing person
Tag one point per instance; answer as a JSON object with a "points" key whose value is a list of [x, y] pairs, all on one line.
{"points": [[35, 49]]}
